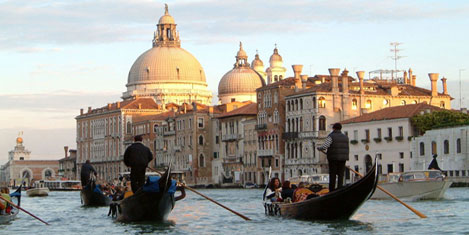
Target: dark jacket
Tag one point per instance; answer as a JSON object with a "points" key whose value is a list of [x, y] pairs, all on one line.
{"points": [[339, 149], [434, 165], [87, 169], [137, 155], [287, 192]]}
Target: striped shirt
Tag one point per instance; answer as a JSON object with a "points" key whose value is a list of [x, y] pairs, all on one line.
{"points": [[326, 144]]}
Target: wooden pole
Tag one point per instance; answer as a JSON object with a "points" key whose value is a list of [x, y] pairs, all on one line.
{"points": [[13, 204], [206, 197], [394, 197]]}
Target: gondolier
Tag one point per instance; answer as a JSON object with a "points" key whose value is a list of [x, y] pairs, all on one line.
{"points": [[137, 156], [337, 145], [86, 171]]}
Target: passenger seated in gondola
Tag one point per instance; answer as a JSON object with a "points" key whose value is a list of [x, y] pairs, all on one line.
{"points": [[274, 190], [287, 191], [5, 208], [301, 193]]}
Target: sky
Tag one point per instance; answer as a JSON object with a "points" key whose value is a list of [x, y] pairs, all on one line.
{"points": [[59, 56]]}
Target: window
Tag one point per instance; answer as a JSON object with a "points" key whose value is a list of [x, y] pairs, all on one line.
{"points": [[378, 134], [355, 135], [390, 168], [380, 169], [356, 157], [446, 147], [434, 149], [201, 140], [390, 132], [367, 135], [458, 146], [276, 162], [368, 104], [129, 128], [200, 122], [217, 139], [401, 156], [322, 102], [442, 104], [401, 167], [322, 123], [354, 104], [201, 160], [422, 148], [215, 155], [48, 173], [414, 102], [385, 103], [403, 102], [155, 128], [401, 131], [190, 123]]}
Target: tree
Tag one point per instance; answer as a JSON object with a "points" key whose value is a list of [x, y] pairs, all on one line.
{"points": [[439, 119]]}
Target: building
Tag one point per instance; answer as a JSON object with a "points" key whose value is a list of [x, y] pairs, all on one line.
{"points": [[20, 168], [167, 72], [335, 98], [275, 72], [387, 134], [240, 83], [68, 165]]}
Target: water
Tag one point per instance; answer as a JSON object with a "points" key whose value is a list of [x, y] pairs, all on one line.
{"points": [[196, 215]]}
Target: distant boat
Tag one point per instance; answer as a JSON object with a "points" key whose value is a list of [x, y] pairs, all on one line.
{"points": [[63, 185], [414, 185], [5, 218], [321, 179], [37, 192], [340, 204]]}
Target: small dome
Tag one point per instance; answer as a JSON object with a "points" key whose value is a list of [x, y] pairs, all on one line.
{"points": [[275, 57], [240, 80], [257, 62], [241, 53], [19, 140], [166, 18]]}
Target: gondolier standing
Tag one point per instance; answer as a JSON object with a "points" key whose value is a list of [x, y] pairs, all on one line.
{"points": [[86, 171], [337, 145], [137, 156]]}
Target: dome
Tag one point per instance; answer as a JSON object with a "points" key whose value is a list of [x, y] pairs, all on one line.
{"points": [[166, 19], [240, 80], [241, 53], [276, 59], [163, 64], [257, 62]]}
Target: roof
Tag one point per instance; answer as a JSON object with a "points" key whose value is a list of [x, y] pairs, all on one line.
{"points": [[156, 117], [396, 112], [250, 109]]}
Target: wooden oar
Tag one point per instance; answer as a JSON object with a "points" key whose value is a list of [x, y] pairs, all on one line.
{"points": [[394, 197], [206, 197], [13, 204]]}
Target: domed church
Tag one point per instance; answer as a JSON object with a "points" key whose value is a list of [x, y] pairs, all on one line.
{"points": [[240, 83], [166, 72]]}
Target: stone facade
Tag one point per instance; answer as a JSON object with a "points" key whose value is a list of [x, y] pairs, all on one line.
{"points": [[68, 165]]}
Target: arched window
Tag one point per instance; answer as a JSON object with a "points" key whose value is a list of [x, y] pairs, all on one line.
{"points": [[414, 102], [276, 78], [48, 174], [296, 105], [354, 104], [442, 104], [322, 102], [288, 106], [301, 104], [201, 140], [422, 148], [201, 160], [434, 150], [322, 123], [403, 102], [129, 128], [446, 146], [280, 77], [385, 103], [368, 104], [314, 103], [458, 146]]}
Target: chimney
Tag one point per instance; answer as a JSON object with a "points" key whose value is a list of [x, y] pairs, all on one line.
{"points": [[304, 79], [414, 80], [89, 109], [345, 81], [361, 75], [334, 72], [109, 106], [297, 71], [445, 88], [81, 111], [406, 80], [434, 79], [66, 151], [118, 104]]}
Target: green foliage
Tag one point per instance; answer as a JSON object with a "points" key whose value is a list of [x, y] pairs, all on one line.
{"points": [[399, 138], [439, 119], [353, 141]]}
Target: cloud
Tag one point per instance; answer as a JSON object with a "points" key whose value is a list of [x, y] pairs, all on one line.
{"points": [[27, 24]]}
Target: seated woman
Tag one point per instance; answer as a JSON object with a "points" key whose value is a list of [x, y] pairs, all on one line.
{"points": [[301, 193], [287, 191], [273, 192], [4, 207]]}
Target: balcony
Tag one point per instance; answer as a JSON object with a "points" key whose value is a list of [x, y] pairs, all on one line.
{"points": [[166, 133], [308, 134], [233, 160], [299, 161], [265, 152], [290, 135], [177, 148], [261, 126], [229, 137]]}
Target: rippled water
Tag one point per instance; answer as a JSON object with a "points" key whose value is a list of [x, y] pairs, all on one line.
{"points": [[197, 215]]}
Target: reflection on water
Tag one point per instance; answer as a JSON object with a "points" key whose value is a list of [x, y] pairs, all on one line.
{"points": [[195, 215]]}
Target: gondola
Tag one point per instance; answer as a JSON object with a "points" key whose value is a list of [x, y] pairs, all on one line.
{"points": [[340, 204], [153, 202], [91, 196], [5, 218]]}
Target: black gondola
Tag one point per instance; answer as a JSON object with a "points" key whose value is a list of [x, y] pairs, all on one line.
{"points": [[150, 206], [7, 217], [340, 204], [91, 196]]}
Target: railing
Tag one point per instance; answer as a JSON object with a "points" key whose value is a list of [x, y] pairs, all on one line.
{"points": [[169, 133], [308, 134], [297, 161], [229, 137], [261, 126], [290, 135], [177, 148], [265, 152]]}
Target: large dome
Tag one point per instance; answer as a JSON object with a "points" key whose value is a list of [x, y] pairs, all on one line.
{"points": [[240, 80], [166, 64]]}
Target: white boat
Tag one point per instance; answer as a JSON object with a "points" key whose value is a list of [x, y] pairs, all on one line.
{"points": [[38, 191], [414, 185]]}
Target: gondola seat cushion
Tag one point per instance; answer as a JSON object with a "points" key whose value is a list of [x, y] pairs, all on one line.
{"points": [[152, 185]]}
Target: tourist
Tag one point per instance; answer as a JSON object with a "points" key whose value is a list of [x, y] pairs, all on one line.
{"points": [[137, 156], [86, 171], [337, 146], [274, 190], [4, 207], [287, 191]]}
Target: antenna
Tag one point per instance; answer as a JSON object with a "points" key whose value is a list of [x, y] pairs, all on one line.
{"points": [[396, 51]]}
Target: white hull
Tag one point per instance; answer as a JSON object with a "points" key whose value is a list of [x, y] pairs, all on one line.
{"points": [[7, 218], [414, 190], [37, 192]]}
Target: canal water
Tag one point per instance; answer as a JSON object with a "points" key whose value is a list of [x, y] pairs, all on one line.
{"points": [[195, 215]]}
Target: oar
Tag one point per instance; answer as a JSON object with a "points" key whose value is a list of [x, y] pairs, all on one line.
{"points": [[206, 197], [13, 204], [394, 197]]}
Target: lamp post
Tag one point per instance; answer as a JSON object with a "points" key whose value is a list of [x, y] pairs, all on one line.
{"points": [[460, 98]]}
